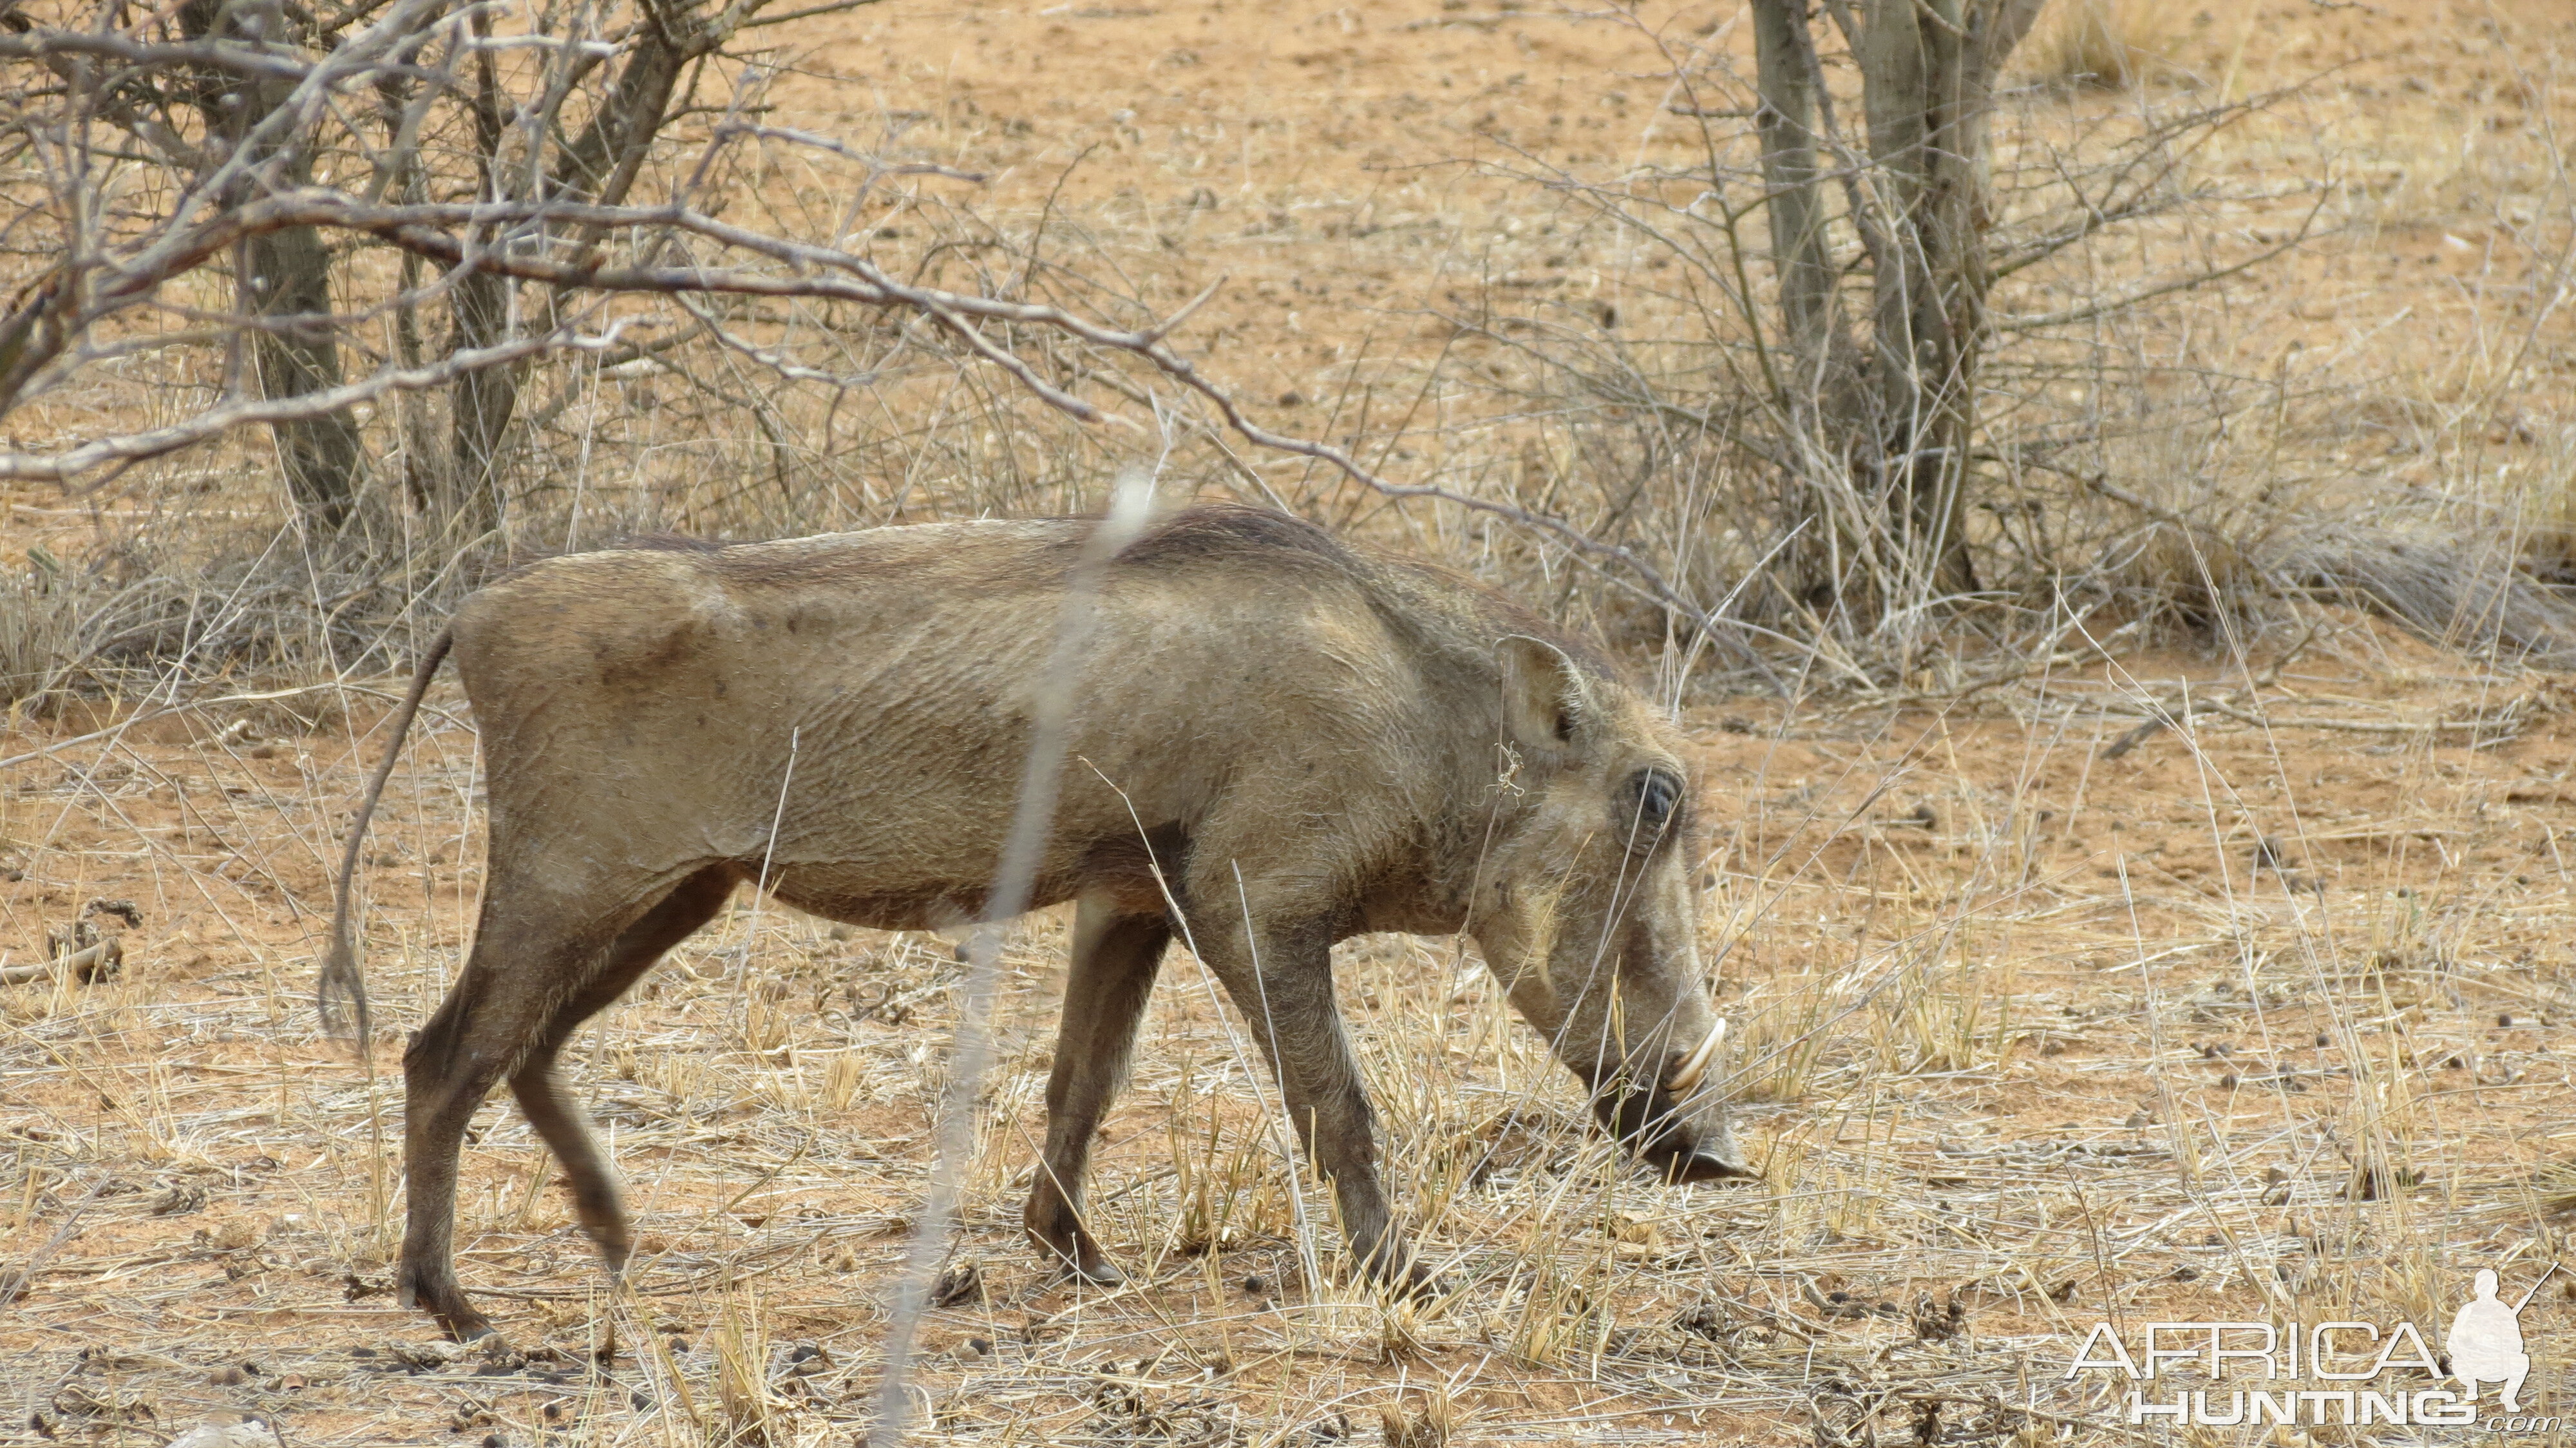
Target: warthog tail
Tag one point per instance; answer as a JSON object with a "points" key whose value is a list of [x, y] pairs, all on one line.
{"points": [[341, 980]]}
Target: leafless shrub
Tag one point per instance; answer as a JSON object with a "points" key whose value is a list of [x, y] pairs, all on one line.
{"points": [[2107, 481]]}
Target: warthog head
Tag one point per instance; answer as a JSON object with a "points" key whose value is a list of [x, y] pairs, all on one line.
{"points": [[1585, 908]]}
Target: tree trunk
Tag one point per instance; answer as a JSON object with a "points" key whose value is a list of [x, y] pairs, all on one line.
{"points": [[1928, 290], [599, 166], [285, 280], [289, 282], [1897, 413], [1786, 125], [480, 405]]}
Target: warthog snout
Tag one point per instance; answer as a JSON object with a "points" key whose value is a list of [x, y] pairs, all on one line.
{"points": [[1675, 1126]]}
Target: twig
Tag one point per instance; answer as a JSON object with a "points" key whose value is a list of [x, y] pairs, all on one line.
{"points": [[93, 963], [1013, 878], [2355, 726]]}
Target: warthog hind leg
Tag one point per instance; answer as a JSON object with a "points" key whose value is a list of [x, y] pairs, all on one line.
{"points": [[527, 971], [1115, 958], [594, 1180]]}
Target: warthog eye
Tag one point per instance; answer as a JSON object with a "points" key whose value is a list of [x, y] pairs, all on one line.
{"points": [[1651, 799]]}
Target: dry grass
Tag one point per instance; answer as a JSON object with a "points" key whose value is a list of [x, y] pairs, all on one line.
{"points": [[2107, 44], [2265, 1016]]}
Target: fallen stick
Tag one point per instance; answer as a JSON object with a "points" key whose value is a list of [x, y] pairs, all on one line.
{"points": [[96, 963]]}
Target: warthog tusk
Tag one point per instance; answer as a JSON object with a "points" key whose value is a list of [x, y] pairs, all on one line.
{"points": [[1686, 1076]]}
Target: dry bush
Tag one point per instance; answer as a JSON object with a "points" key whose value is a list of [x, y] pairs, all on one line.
{"points": [[2149, 463], [1623, 463]]}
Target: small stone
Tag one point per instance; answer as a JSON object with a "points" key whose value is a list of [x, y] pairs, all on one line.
{"points": [[1256, 1284], [435, 1353], [248, 1433]]}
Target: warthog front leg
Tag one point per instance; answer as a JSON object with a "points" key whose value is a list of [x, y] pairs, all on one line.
{"points": [[1115, 958], [1284, 988]]}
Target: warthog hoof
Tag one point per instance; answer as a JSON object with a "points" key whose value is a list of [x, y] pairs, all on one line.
{"points": [[1418, 1283], [1079, 1262], [1098, 1274], [1414, 1281], [448, 1305], [466, 1325]]}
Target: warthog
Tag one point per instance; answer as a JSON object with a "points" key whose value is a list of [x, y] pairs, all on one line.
{"points": [[1277, 742]]}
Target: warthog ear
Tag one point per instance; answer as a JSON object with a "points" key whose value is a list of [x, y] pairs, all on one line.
{"points": [[1544, 695]]}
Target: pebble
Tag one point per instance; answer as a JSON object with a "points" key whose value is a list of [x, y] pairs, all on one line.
{"points": [[248, 1433]]}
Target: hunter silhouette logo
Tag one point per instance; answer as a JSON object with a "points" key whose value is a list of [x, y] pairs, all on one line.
{"points": [[2486, 1340]]}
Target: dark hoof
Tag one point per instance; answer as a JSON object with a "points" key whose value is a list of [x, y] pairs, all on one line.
{"points": [[1080, 1263], [1424, 1285], [461, 1321], [1414, 1282]]}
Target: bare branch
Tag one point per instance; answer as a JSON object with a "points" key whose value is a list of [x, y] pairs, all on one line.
{"points": [[132, 447]]}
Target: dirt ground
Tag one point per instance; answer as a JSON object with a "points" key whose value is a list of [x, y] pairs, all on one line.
{"points": [[2047, 1014], [2238, 1022]]}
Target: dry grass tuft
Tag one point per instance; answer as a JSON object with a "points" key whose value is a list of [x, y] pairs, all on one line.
{"points": [[2102, 44], [2468, 594], [1423, 1423], [40, 629]]}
